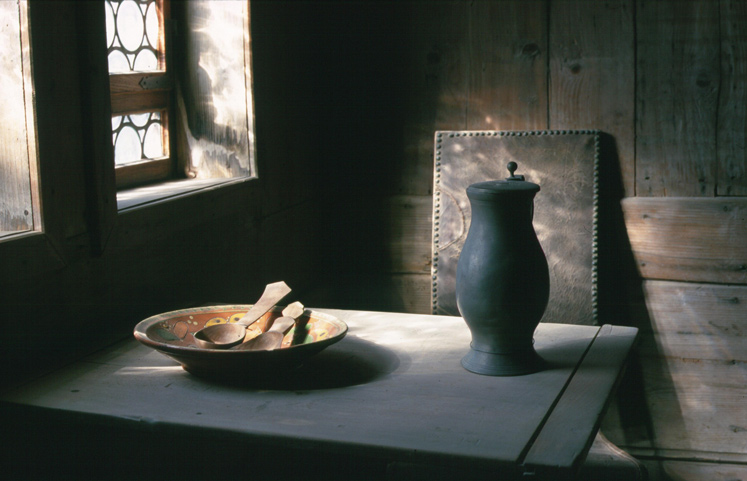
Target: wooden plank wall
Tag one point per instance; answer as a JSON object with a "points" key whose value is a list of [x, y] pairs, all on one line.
{"points": [[666, 80]]}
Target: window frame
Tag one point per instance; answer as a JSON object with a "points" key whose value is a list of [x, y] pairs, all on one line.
{"points": [[186, 179], [80, 215], [28, 143], [145, 92]]}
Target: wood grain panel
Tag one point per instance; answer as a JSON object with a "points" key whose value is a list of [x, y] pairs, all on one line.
{"points": [[283, 257], [694, 471], [138, 82], [689, 239], [16, 210], [18, 264], [143, 172], [677, 82], [694, 365], [392, 271], [508, 65], [701, 322], [382, 291], [436, 76], [58, 102], [410, 226], [592, 73], [732, 118], [412, 293], [97, 151], [582, 404], [697, 410], [147, 101]]}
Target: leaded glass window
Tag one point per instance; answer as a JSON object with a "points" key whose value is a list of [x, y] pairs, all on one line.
{"points": [[136, 137], [133, 35], [140, 90]]}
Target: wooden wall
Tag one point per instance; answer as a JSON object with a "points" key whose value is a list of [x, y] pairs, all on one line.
{"points": [[665, 79]]}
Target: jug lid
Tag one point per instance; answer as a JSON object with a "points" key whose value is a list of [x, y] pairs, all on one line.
{"points": [[512, 185]]}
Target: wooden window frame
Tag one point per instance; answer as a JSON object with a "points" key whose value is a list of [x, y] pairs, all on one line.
{"points": [[82, 213], [141, 92], [22, 146]]}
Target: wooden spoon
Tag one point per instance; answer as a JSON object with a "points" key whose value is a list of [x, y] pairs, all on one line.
{"points": [[223, 336], [273, 337]]}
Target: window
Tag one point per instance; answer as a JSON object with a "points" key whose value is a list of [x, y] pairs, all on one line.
{"points": [[140, 90], [179, 123], [215, 119], [181, 95], [19, 210]]}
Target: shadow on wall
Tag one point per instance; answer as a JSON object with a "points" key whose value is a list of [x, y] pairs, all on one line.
{"points": [[622, 302], [214, 98]]}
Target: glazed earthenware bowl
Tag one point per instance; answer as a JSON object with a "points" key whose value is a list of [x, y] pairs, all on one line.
{"points": [[171, 334]]}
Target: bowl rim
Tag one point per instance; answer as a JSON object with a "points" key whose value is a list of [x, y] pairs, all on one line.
{"points": [[140, 331]]}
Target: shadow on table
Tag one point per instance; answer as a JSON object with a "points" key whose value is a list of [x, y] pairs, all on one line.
{"points": [[563, 354]]}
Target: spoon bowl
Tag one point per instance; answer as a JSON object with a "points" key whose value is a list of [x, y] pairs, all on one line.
{"points": [[267, 341], [273, 337], [224, 336]]}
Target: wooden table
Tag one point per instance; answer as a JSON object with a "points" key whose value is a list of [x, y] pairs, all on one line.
{"points": [[390, 401]]}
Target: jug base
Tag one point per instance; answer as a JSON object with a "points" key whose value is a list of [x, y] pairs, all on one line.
{"points": [[503, 364]]}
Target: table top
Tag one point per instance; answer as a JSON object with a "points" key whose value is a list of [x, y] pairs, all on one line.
{"points": [[392, 389]]}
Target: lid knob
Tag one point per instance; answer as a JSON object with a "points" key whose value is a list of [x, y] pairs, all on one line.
{"points": [[512, 166]]}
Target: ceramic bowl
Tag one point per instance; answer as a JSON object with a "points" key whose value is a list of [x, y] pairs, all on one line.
{"points": [[171, 334]]}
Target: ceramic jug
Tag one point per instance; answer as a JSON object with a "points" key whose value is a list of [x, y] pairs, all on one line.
{"points": [[502, 282]]}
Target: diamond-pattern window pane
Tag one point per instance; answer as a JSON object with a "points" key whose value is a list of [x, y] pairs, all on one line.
{"points": [[132, 35], [137, 137]]}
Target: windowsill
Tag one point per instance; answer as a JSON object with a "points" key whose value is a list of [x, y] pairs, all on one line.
{"points": [[129, 199], [4, 234]]}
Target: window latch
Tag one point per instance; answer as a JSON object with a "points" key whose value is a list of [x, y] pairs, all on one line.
{"points": [[155, 82]]}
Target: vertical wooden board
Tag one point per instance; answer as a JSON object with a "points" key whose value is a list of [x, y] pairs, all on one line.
{"points": [[592, 73], [98, 153], [677, 82], [508, 65], [31, 140], [411, 293], [434, 83], [16, 212], [377, 291], [409, 233], [292, 248], [732, 112], [58, 99]]}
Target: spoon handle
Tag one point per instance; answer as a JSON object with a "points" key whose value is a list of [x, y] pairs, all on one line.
{"points": [[293, 310], [273, 294], [288, 319]]}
